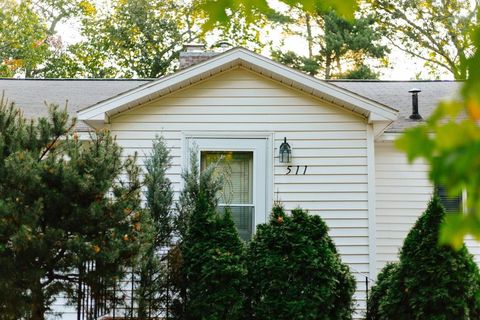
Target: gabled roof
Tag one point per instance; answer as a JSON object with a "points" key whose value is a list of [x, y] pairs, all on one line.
{"points": [[32, 95], [99, 113], [395, 94], [83, 94]]}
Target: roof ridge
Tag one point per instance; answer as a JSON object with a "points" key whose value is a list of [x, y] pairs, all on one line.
{"points": [[393, 81], [78, 79]]}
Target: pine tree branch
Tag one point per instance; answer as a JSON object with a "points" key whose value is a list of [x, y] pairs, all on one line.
{"points": [[54, 141]]}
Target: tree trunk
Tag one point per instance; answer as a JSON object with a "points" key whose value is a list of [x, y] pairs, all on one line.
{"points": [[339, 65], [309, 36], [328, 65], [459, 71], [38, 302], [142, 295]]}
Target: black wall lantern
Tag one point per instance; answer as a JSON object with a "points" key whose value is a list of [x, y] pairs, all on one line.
{"points": [[285, 152]]}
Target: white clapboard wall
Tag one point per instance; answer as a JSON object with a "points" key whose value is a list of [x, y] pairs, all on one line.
{"points": [[331, 141]]}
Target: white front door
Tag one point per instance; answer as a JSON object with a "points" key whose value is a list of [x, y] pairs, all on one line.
{"points": [[244, 162]]}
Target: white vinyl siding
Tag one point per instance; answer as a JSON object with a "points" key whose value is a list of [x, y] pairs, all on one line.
{"points": [[402, 195], [331, 141]]}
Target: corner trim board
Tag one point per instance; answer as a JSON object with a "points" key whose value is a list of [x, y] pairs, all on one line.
{"points": [[372, 235]]}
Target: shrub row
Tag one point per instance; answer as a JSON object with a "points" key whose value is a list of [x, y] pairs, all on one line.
{"points": [[289, 270]]}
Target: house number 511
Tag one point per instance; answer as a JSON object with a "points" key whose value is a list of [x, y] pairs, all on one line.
{"points": [[297, 170]]}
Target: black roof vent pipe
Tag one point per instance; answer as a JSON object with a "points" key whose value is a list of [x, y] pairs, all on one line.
{"points": [[415, 115]]}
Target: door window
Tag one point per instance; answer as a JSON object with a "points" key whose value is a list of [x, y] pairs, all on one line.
{"points": [[245, 187], [237, 190]]}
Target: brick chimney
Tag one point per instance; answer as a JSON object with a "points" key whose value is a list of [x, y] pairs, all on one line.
{"points": [[194, 53]]}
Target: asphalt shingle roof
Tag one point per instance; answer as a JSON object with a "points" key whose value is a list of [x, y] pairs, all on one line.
{"points": [[395, 94], [31, 94]]}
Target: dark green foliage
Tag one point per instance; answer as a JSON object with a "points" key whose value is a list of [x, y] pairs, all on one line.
{"points": [[195, 183], [61, 204], [295, 272], [290, 58], [359, 72], [141, 37], [159, 192], [430, 281], [152, 290], [212, 253], [340, 50], [379, 291], [213, 266]]}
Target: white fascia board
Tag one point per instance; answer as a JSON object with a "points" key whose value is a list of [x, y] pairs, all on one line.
{"points": [[325, 88], [99, 110], [379, 124], [375, 117], [238, 56], [389, 136], [96, 123], [379, 127]]}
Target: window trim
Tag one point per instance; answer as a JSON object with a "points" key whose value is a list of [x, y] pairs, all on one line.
{"points": [[189, 138]]}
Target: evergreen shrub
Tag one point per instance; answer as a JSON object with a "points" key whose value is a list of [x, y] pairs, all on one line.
{"points": [[64, 203], [152, 292], [380, 290], [211, 252], [431, 281], [295, 272]]}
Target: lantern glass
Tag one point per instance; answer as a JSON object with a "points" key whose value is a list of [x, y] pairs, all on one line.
{"points": [[285, 152]]}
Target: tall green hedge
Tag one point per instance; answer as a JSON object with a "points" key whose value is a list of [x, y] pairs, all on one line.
{"points": [[212, 269], [379, 291], [295, 272], [430, 281]]}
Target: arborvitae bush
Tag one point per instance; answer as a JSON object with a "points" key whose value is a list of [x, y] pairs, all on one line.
{"points": [[213, 267], [431, 281], [295, 272], [379, 290], [152, 292], [211, 254]]}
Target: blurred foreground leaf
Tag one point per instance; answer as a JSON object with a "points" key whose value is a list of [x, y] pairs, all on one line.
{"points": [[449, 141], [219, 11]]}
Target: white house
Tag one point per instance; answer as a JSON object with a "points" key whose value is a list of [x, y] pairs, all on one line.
{"points": [[344, 166]]}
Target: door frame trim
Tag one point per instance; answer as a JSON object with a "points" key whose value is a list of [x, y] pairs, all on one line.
{"points": [[269, 156]]}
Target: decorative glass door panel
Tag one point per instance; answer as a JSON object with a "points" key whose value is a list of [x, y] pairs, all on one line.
{"points": [[237, 192], [242, 162]]}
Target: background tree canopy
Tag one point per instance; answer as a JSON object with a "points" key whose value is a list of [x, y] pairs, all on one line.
{"points": [[337, 47], [436, 31], [23, 44], [143, 38]]}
